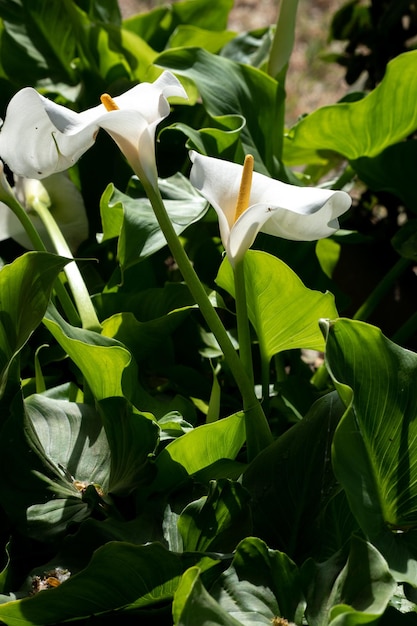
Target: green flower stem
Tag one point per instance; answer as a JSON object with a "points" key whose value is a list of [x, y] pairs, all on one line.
{"points": [[243, 329], [381, 290], [258, 434], [8, 198], [283, 42], [76, 282]]}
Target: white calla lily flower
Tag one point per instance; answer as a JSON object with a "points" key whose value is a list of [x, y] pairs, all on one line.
{"points": [[271, 206], [40, 137], [64, 201]]}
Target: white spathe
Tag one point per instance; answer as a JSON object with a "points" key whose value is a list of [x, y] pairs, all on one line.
{"points": [[276, 208], [39, 137]]}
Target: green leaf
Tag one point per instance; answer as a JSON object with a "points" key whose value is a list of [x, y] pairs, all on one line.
{"points": [[143, 338], [198, 449], [220, 139], [132, 439], [259, 585], [218, 521], [25, 288], [158, 25], [348, 593], [198, 13], [72, 438], [250, 93], [120, 576], [375, 451], [363, 128], [193, 604], [187, 35], [284, 313], [134, 222], [291, 481], [107, 11], [106, 365], [48, 447]]}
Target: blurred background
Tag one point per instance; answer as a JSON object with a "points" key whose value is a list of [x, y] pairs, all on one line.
{"points": [[312, 82]]}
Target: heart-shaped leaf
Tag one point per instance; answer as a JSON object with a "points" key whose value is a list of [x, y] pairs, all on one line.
{"points": [[363, 128], [105, 363], [198, 449], [284, 313]]}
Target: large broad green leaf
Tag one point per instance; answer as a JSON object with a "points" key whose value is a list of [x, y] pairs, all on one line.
{"points": [[218, 521], [230, 88], [375, 451], [363, 128], [120, 576], [198, 449], [52, 451], [106, 365], [284, 313], [291, 481], [259, 585], [348, 592], [134, 222], [25, 288]]}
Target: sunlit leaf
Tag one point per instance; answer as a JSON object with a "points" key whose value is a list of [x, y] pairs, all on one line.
{"points": [[284, 313], [363, 128], [159, 24], [119, 576], [250, 93], [374, 453], [201, 447], [104, 362]]}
